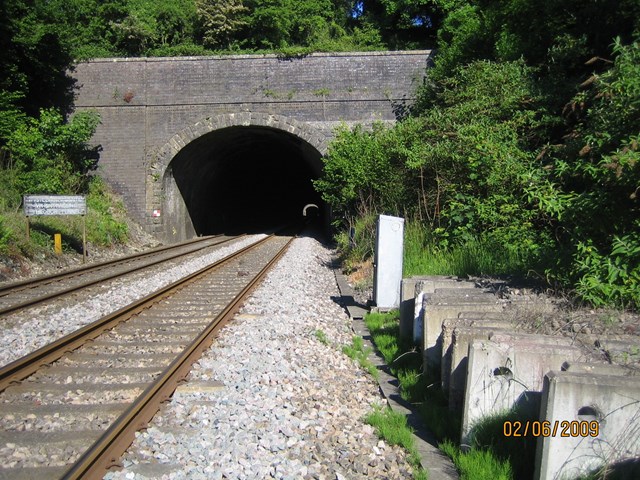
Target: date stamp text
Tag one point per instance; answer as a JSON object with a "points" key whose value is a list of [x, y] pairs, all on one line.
{"points": [[557, 428]]}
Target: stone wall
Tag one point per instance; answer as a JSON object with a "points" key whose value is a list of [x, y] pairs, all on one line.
{"points": [[145, 103]]}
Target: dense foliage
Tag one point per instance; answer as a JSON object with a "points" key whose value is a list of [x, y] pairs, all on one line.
{"points": [[523, 142], [522, 145], [95, 28], [44, 149]]}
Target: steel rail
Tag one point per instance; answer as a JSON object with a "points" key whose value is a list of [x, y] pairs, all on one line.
{"points": [[23, 367], [107, 450], [65, 291], [32, 282]]}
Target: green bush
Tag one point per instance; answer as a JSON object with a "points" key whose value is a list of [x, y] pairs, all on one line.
{"points": [[50, 155], [5, 236], [106, 218], [613, 279], [595, 174]]}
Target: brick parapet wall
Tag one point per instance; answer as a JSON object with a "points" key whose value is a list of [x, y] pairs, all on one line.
{"points": [[146, 103]]}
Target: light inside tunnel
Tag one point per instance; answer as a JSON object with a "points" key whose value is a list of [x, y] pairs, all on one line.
{"points": [[246, 179]]}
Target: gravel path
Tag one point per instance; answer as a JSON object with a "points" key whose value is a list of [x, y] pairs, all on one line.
{"points": [[28, 330], [279, 403]]}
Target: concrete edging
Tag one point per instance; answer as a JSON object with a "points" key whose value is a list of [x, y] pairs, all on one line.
{"points": [[434, 461]]}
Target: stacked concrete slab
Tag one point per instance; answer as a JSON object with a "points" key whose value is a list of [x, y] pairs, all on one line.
{"points": [[414, 288], [596, 411], [445, 304], [467, 335], [457, 335], [507, 371]]}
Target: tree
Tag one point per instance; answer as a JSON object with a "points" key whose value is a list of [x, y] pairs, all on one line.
{"points": [[220, 21], [402, 23], [50, 155], [34, 60]]}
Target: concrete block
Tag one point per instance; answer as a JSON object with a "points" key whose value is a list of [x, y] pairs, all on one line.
{"points": [[599, 369], [455, 349], [438, 308], [598, 426], [470, 319], [508, 371], [408, 296]]}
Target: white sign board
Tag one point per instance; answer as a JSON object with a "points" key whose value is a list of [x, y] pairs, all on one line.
{"points": [[54, 205]]}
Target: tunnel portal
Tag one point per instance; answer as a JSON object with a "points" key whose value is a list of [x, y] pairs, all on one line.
{"points": [[246, 179]]}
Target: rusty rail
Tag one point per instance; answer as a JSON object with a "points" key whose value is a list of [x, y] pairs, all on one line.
{"points": [[106, 451], [21, 286]]}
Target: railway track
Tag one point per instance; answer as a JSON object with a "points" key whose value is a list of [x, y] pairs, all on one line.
{"points": [[29, 293], [99, 385]]}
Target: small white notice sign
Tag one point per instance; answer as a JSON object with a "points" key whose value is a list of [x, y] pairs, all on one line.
{"points": [[54, 205]]}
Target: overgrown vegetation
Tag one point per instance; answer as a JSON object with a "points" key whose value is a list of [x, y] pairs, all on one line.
{"points": [[105, 225], [50, 155], [132, 28], [520, 156]]}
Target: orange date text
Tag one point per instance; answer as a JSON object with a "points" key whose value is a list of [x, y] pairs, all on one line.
{"points": [[557, 428]]}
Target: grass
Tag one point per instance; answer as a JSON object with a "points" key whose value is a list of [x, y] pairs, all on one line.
{"points": [[477, 464], [359, 353], [484, 460], [392, 427], [423, 257], [518, 452], [405, 362], [322, 337]]}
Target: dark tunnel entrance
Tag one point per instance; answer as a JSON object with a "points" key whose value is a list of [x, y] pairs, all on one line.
{"points": [[246, 180]]}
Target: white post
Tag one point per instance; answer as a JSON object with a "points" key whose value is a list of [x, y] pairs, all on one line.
{"points": [[388, 262]]}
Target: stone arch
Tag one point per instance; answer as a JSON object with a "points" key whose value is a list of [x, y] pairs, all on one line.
{"points": [[164, 203]]}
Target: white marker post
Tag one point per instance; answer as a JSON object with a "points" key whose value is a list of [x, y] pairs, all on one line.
{"points": [[388, 262]]}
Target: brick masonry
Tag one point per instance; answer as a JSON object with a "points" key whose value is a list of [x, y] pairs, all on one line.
{"points": [[150, 108]]}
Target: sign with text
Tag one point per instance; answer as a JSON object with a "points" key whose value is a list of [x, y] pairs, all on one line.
{"points": [[54, 205]]}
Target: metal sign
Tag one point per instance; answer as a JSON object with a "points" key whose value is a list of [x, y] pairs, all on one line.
{"points": [[54, 205]]}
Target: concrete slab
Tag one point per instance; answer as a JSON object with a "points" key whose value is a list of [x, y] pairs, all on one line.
{"points": [[347, 296], [616, 350], [430, 284], [600, 369], [454, 360], [32, 473], [508, 371], [212, 386], [495, 320], [437, 309], [594, 422]]}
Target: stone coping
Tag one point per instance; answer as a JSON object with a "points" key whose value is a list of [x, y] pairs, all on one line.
{"points": [[252, 56]]}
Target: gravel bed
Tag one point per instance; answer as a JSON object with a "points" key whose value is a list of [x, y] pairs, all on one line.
{"points": [[281, 403], [24, 332]]}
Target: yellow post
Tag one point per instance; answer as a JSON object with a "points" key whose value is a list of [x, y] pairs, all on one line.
{"points": [[84, 239], [57, 241]]}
